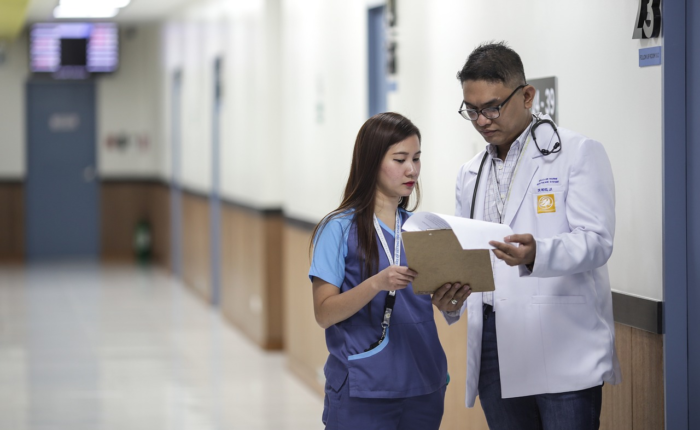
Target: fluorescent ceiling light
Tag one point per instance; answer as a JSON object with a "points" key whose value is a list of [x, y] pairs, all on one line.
{"points": [[95, 3], [92, 11]]}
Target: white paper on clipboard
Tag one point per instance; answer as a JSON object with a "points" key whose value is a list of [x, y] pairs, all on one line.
{"points": [[471, 233]]}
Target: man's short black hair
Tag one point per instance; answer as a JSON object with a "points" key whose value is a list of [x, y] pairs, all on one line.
{"points": [[493, 62]]}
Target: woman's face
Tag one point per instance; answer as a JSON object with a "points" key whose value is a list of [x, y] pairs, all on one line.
{"points": [[400, 169]]}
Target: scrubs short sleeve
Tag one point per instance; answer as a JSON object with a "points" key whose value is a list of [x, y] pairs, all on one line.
{"points": [[330, 250]]}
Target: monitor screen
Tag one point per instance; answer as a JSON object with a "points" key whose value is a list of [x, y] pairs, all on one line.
{"points": [[94, 46], [74, 52]]}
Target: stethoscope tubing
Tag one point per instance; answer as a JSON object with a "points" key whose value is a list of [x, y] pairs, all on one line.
{"points": [[544, 152]]}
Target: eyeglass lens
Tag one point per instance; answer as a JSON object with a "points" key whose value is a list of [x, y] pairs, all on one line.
{"points": [[488, 113]]}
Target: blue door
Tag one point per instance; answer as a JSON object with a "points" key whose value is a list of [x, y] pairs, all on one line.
{"points": [[214, 198], [681, 230], [377, 60], [175, 190], [62, 203]]}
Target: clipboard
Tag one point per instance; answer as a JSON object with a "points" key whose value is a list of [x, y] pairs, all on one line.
{"points": [[438, 258]]}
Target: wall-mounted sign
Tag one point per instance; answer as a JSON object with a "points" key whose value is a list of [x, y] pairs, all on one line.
{"points": [[122, 141], [546, 97], [650, 56], [648, 22], [64, 122]]}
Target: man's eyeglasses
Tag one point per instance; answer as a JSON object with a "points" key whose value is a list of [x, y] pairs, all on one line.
{"points": [[489, 112]]}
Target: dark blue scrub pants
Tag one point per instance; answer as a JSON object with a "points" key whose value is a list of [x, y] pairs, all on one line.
{"points": [[575, 410], [342, 412]]}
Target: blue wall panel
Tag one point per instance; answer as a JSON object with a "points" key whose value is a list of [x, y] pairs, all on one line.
{"points": [[693, 199]]}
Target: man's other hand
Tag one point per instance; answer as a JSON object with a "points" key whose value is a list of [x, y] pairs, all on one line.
{"points": [[516, 255]]}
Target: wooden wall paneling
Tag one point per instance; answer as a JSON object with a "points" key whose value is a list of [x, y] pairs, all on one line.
{"points": [[195, 244], [616, 413], [454, 341], [122, 206], [273, 291], [647, 381], [228, 267], [304, 340], [12, 241], [247, 281], [251, 278], [159, 217]]}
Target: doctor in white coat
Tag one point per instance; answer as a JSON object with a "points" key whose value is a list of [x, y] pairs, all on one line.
{"points": [[540, 347]]}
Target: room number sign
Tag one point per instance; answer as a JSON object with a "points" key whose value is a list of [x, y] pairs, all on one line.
{"points": [[648, 22]]}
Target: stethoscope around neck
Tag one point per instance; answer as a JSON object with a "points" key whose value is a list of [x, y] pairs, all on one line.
{"points": [[545, 152]]}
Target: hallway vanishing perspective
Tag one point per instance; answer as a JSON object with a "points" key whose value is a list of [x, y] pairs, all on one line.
{"points": [[90, 347]]}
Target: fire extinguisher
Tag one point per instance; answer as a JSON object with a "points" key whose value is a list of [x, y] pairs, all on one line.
{"points": [[143, 242]]}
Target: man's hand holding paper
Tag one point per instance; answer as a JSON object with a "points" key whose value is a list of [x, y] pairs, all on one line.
{"points": [[444, 249], [516, 255]]}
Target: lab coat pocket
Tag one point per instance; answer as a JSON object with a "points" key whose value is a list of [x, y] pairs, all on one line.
{"points": [[558, 300]]}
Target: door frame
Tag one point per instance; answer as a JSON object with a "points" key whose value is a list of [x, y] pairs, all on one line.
{"points": [[215, 195], [681, 206], [377, 85], [33, 83], [175, 174]]}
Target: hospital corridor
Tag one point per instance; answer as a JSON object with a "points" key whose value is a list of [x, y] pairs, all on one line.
{"points": [[340, 215], [86, 346]]}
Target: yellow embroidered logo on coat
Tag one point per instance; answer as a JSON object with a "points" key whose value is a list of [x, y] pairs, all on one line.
{"points": [[546, 204]]}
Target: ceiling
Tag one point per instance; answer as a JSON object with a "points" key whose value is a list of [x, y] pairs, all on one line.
{"points": [[11, 17], [137, 11], [15, 13]]}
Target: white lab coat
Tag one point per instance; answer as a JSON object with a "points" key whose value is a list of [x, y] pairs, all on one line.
{"points": [[555, 325]]}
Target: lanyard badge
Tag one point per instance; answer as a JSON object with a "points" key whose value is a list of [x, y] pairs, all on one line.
{"points": [[396, 261]]}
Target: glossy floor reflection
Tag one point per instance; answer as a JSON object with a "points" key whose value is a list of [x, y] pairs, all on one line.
{"points": [[88, 347]]}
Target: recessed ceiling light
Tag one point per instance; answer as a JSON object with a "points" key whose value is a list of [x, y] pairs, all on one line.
{"points": [[94, 3], [84, 11]]}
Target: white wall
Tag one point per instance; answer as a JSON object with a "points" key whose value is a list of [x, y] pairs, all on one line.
{"points": [[587, 45], [128, 104], [602, 93], [13, 74], [296, 96], [246, 36], [325, 100]]}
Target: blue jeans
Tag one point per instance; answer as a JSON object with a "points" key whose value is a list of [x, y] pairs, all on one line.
{"points": [[575, 410]]}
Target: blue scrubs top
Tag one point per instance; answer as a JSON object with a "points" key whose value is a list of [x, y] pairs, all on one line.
{"points": [[410, 361]]}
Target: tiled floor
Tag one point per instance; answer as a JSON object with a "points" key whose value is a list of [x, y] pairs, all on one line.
{"points": [[87, 347]]}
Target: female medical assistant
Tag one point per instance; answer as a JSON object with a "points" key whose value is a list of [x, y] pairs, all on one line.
{"points": [[408, 369]]}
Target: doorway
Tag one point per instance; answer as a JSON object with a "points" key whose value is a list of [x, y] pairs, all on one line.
{"points": [[377, 60], [175, 190], [62, 203], [215, 196]]}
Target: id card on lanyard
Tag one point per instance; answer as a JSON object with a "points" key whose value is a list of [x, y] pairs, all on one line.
{"points": [[395, 261]]}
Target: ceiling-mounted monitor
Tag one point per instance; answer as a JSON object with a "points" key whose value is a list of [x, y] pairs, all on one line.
{"points": [[74, 49]]}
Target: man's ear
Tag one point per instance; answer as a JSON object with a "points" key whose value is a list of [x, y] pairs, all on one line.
{"points": [[529, 93]]}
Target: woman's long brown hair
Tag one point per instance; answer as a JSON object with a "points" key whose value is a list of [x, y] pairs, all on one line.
{"points": [[373, 141]]}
